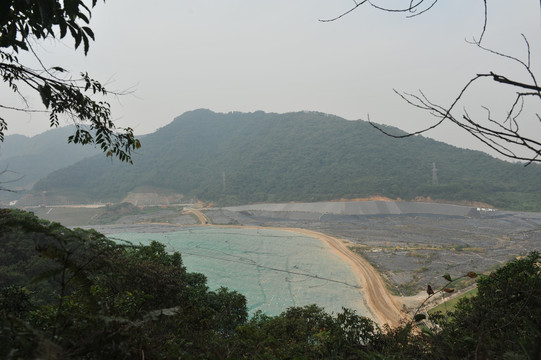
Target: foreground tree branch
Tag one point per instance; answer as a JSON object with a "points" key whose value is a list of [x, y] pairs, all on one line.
{"points": [[411, 6], [3, 182], [503, 134], [62, 95]]}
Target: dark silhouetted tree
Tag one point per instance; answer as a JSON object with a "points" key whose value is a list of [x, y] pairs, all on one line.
{"points": [[24, 23]]}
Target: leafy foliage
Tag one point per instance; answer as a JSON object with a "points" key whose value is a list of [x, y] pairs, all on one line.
{"points": [[100, 299], [22, 21], [503, 320], [306, 332]]}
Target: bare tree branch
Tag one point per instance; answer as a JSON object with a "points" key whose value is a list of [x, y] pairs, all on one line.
{"points": [[484, 22], [503, 135], [2, 187], [498, 135], [345, 13], [504, 80], [412, 7]]}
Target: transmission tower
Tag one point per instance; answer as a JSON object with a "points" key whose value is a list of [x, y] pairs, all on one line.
{"points": [[434, 174], [223, 181]]}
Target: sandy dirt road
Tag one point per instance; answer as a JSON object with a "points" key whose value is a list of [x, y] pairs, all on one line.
{"points": [[384, 306], [200, 216]]}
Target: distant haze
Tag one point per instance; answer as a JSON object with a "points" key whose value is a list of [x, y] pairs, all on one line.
{"points": [[244, 55]]}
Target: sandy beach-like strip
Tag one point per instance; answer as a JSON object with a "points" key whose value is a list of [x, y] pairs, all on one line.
{"points": [[384, 306]]}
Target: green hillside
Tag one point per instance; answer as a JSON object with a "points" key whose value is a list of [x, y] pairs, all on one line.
{"points": [[263, 157]]}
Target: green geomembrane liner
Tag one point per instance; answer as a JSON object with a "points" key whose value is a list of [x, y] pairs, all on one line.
{"points": [[274, 269]]}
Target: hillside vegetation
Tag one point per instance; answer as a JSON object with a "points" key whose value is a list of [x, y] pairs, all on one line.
{"points": [[263, 157]]}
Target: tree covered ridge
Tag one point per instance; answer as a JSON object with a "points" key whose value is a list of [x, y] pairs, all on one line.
{"points": [[76, 294], [306, 156]]}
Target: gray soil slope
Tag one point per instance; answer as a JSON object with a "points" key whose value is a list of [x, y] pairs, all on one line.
{"points": [[293, 210]]}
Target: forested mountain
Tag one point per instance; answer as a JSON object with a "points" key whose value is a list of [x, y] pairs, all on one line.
{"points": [[256, 157], [31, 158]]}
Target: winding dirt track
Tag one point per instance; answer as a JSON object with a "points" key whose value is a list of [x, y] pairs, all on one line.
{"points": [[202, 218], [380, 302]]}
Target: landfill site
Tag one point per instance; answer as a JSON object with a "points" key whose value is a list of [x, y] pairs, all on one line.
{"points": [[412, 244]]}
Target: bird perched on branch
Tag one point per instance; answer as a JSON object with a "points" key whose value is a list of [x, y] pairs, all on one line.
{"points": [[429, 290]]}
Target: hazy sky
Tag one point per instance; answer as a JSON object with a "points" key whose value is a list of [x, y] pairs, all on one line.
{"points": [[275, 56]]}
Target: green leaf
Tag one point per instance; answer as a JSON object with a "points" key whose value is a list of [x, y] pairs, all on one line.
{"points": [[85, 43], [89, 32], [83, 17], [77, 36], [63, 28], [419, 317], [45, 93], [447, 277]]}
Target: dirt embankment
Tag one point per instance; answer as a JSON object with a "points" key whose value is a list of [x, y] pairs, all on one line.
{"points": [[200, 216], [421, 199], [370, 198]]}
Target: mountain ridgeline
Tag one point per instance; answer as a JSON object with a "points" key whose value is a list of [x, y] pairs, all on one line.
{"points": [[265, 157], [31, 158]]}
